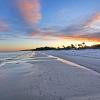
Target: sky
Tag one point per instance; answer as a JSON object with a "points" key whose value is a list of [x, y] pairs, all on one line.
{"points": [[26, 24]]}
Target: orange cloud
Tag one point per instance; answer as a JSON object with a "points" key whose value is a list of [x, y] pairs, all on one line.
{"points": [[94, 22], [31, 11], [80, 38]]}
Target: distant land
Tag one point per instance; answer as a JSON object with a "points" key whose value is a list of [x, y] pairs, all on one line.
{"points": [[72, 46]]}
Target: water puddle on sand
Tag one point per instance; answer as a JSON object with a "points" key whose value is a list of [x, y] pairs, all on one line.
{"points": [[25, 58]]}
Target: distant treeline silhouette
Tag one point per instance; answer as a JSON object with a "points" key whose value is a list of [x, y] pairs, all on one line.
{"points": [[72, 46], [96, 46], [46, 48]]}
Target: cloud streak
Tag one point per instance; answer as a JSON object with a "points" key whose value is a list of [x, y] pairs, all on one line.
{"points": [[93, 25], [4, 26], [89, 30]]}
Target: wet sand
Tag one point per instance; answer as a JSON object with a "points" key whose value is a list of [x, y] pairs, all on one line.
{"points": [[42, 77]]}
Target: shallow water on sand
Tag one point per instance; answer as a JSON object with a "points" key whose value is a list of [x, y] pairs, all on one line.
{"points": [[14, 57]]}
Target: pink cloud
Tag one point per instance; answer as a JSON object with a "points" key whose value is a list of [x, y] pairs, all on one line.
{"points": [[31, 11], [4, 26]]}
